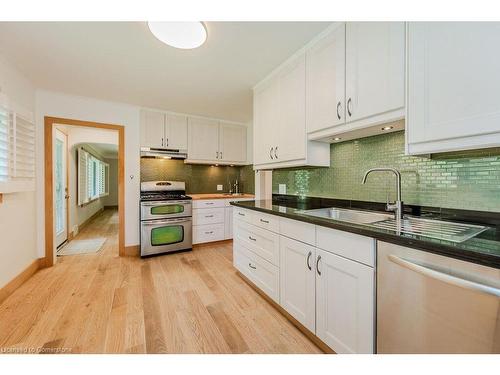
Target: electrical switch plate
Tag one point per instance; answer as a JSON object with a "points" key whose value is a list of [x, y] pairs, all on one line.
{"points": [[282, 188], [219, 187]]}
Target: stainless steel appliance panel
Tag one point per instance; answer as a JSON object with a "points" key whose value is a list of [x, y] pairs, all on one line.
{"points": [[165, 209], [163, 236], [428, 303]]}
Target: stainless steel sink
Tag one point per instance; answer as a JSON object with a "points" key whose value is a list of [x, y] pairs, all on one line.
{"points": [[350, 216]]}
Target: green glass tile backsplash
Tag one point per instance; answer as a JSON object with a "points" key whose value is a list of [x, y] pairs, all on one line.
{"points": [[462, 180], [198, 178]]}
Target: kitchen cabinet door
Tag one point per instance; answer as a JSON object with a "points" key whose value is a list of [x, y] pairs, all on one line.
{"points": [[266, 122], [453, 81], [232, 142], [345, 305], [297, 281], [291, 141], [325, 81], [375, 68], [203, 139], [176, 131], [152, 129]]}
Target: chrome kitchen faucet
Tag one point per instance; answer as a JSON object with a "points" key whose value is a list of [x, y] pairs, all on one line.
{"points": [[397, 206]]}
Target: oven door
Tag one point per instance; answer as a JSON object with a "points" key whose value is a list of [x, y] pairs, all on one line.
{"points": [[163, 236], [165, 209]]}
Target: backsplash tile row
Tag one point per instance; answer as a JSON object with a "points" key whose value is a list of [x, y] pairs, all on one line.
{"points": [[461, 180], [198, 178]]}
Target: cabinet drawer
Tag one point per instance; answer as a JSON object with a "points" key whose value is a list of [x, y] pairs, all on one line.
{"points": [[298, 230], [262, 242], [262, 273], [269, 222], [348, 245], [208, 216], [242, 214], [209, 203], [208, 233]]}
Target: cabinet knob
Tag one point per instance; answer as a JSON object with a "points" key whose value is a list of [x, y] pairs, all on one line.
{"points": [[349, 107]]}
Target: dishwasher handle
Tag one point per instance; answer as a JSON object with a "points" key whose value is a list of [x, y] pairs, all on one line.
{"points": [[446, 278]]}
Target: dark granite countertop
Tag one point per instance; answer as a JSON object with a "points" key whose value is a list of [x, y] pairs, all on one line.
{"points": [[483, 249]]}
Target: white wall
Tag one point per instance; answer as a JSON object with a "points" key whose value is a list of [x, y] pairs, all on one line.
{"points": [[112, 198], [17, 212], [80, 108]]}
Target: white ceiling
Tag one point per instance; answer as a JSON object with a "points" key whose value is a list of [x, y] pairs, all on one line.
{"points": [[123, 61]]}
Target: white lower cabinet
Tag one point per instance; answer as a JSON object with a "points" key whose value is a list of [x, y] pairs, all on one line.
{"points": [[328, 293], [345, 304], [297, 281]]}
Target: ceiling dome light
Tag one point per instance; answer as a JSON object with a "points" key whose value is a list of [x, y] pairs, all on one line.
{"points": [[184, 35]]}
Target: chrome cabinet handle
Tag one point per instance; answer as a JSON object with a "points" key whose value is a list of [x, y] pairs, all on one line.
{"points": [[317, 265], [264, 221], [162, 142], [220, 155], [446, 278], [251, 238], [276, 152], [349, 107], [216, 154], [307, 260], [271, 152], [207, 216], [209, 203], [239, 213], [338, 107], [167, 141], [252, 267], [209, 232]]}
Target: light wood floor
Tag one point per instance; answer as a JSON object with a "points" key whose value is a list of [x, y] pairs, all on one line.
{"points": [[191, 302]]}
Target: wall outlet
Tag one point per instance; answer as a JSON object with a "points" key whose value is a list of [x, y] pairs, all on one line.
{"points": [[219, 187], [282, 188]]}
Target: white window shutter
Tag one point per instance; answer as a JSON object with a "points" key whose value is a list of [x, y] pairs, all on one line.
{"points": [[83, 192], [4, 144]]}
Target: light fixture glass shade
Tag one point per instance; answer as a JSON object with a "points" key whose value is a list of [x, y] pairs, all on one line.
{"points": [[184, 35]]}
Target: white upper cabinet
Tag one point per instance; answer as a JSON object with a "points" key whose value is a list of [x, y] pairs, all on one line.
{"points": [[345, 303], [292, 112], [203, 139], [217, 142], [375, 70], [325, 81], [232, 142], [453, 86], [176, 131], [152, 129], [280, 121]]}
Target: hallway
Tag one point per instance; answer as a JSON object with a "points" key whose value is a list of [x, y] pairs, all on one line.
{"points": [[191, 302]]}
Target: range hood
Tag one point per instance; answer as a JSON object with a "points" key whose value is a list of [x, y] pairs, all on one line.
{"points": [[163, 153]]}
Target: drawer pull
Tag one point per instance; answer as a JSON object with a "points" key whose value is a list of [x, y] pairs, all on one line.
{"points": [[251, 238], [252, 267], [317, 265], [207, 216], [208, 203], [307, 260], [239, 213], [211, 232], [264, 221]]}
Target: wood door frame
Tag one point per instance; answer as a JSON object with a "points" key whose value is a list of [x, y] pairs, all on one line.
{"points": [[49, 123]]}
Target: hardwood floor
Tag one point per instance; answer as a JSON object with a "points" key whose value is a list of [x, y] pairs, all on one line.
{"points": [[191, 302]]}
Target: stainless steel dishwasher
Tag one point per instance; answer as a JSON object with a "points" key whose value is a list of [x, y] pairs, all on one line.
{"points": [[428, 303]]}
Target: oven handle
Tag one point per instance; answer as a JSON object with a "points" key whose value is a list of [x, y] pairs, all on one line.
{"points": [[168, 221], [163, 203]]}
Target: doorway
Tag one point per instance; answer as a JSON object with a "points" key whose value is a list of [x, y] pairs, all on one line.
{"points": [[58, 193]]}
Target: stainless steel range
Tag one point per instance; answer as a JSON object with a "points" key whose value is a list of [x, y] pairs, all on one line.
{"points": [[166, 223]]}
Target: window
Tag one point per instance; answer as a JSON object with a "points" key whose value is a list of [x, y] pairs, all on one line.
{"points": [[17, 150], [93, 177]]}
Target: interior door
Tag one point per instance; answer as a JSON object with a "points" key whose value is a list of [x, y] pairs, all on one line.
{"points": [[292, 111], [60, 187], [297, 279], [375, 68], [232, 142], [203, 139], [345, 303], [176, 133], [325, 81], [153, 129]]}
